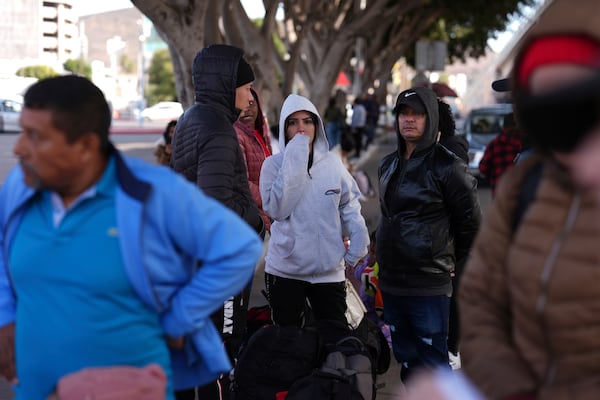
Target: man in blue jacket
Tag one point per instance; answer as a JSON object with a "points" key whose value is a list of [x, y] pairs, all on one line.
{"points": [[108, 260]]}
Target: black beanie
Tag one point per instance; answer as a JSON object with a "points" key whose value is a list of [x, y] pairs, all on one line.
{"points": [[244, 73]]}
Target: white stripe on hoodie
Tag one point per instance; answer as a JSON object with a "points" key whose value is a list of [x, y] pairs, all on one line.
{"points": [[313, 209]]}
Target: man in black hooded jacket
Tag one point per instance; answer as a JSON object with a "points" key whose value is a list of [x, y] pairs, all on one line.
{"points": [[429, 218], [206, 151]]}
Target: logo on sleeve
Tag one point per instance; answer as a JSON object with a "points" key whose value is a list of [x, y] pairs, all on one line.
{"points": [[331, 192]]}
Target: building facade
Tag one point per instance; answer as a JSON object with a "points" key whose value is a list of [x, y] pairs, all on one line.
{"points": [[37, 32]]}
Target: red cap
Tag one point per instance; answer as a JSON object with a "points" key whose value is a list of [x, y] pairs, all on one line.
{"points": [[558, 49]]}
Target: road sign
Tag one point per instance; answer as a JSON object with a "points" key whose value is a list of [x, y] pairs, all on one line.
{"points": [[430, 55]]}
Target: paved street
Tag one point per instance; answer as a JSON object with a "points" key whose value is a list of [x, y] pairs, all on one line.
{"points": [[139, 142]]}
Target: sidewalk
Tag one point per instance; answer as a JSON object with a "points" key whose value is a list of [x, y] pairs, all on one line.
{"points": [[135, 126]]}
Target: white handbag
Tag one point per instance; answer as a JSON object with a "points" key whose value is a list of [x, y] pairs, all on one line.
{"points": [[355, 308]]}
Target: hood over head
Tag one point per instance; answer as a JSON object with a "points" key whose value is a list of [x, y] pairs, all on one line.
{"points": [[425, 100], [295, 103], [215, 76]]}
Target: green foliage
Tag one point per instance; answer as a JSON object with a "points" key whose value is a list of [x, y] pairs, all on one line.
{"points": [[79, 67], [161, 80], [37, 71], [126, 64], [466, 25]]}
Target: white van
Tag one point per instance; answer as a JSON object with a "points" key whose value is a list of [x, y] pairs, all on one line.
{"points": [[481, 126]]}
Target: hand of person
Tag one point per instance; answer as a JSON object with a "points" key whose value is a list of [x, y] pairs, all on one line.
{"points": [[175, 343], [7, 352]]}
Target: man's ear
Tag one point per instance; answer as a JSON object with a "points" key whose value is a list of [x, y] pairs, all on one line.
{"points": [[90, 145]]}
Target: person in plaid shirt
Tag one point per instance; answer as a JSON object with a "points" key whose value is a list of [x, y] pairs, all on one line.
{"points": [[501, 153]]}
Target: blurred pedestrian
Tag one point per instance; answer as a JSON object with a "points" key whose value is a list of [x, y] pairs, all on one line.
{"points": [[314, 202], [529, 291], [372, 107], [507, 148], [502, 152], [163, 148], [207, 152], [358, 124], [253, 135], [429, 217], [100, 253], [334, 118]]}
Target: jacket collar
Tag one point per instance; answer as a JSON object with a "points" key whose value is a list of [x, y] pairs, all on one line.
{"points": [[133, 186]]}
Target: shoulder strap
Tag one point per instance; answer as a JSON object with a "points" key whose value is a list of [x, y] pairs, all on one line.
{"points": [[529, 186]]}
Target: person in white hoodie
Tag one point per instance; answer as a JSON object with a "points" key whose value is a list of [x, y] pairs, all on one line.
{"points": [[314, 202]]}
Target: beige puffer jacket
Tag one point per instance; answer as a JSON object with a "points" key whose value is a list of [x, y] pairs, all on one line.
{"points": [[530, 301]]}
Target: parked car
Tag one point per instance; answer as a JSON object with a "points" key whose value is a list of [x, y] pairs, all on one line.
{"points": [[10, 110], [480, 127], [165, 110]]}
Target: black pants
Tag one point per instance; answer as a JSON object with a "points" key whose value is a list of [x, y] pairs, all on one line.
{"points": [[220, 389], [287, 298], [358, 140], [454, 326]]}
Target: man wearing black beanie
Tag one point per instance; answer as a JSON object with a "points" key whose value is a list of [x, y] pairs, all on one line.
{"points": [[206, 151], [245, 74]]}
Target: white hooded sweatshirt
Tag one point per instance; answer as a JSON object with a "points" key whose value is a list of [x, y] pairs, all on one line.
{"points": [[312, 209]]}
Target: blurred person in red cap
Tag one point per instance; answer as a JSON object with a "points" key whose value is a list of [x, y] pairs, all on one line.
{"points": [[529, 294]]}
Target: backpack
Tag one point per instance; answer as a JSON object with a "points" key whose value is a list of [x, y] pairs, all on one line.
{"points": [[526, 195], [273, 359], [346, 374], [257, 317], [377, 344]]}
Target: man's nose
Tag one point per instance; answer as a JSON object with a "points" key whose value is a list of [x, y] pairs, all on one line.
{"points": [[19, 146]]}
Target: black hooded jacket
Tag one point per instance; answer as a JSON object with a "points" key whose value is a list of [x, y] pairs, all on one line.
{"points": [[429, 213], [205, 145]]}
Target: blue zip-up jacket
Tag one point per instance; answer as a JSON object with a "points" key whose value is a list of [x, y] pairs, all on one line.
{"points": [[184, 254]]}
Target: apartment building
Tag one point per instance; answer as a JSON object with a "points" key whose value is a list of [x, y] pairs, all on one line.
{"points": [[37, 31]]}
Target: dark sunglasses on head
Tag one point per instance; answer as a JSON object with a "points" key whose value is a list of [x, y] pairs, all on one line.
{"points": [[561, 120]]}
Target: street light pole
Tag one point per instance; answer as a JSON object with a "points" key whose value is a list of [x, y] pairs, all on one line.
{"points": [[144, 34], [142, 102]]}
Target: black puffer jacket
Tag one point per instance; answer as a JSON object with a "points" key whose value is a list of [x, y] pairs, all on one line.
{"points": [[205, 145], [428, 224]]}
